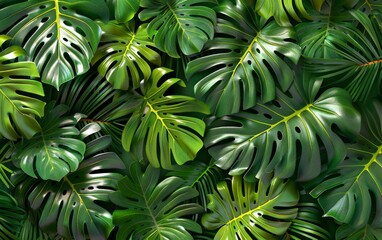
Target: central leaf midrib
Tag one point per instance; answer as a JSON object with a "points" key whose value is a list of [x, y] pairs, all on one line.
{"points": [[148, 208]]}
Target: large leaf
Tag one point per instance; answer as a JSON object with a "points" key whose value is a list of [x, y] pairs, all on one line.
{"points": [[153, 209], [124, 10], [124, 55], [74, 207], [175, 25], [368, 232], [245, 56], [56, 150], [352, 193], [59, 36], [160, 128], [260, 210], [11, 216], [18, 92], [280, 9], [358, 65], [284, 135]]}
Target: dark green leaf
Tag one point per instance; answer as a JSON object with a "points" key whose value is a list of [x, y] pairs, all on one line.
{"points": [[283, 136], [124, 10], [153, 210], [11, 216], [183, 25], [368, 232], [245, 56], [55, 151]]}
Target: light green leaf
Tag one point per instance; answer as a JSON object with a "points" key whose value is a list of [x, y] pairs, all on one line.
{"points": [[152, 209], [351, 192], [160, 128], [55, 151], [281, 9], [124, 55], [18, 91], [283, 136], [71, 207], [246, 56], [183, 25], [59, 36], [260, 210]]}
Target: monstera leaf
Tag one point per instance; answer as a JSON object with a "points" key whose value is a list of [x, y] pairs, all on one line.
{"points": [[124, 10], [18, 93], [30, 229], [56, 150], [153, 210], [11, 216], [357, 67], [369, 232], [159, 128], [280, 9], [59, 36], [352, 193], [124, 55], [71, 207], [285, 135], [260, 210], [183, 25], [246, 55]]}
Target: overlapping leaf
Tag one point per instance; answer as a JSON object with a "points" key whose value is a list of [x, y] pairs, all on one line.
{"points": [[71, 207], [175, 25], [351, 192], [11, 216], [55, 151], [153, 209], [6, 149], [124, 55], [19, 103], [284, 135], [358, 65], [59, 36], [247, 55], [159, 128], [368, 232], [260, 210]]}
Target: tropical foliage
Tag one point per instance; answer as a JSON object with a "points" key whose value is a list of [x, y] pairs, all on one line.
{"points": [[190, 119]]}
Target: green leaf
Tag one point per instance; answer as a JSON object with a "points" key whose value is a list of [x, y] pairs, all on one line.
{"points": [[260, 210], [160, 127], [6, 149], [368, 232], [203, 177], [175, 25], [124, 55], [247, 55], [283, 136], [351, 192], [18, 92], [309, 223], [280, 9], [152, 210], [55, 151], [124, 10], [11, 216], [59, 36], [30, 229], [357, 67], [71, 207]]}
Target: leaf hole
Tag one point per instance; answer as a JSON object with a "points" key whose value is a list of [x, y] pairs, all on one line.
{"points": [[297, 129], [49, 35], [42, 7], [64, 8], [257, 50], [268, 116], [44, 19], [249, 62], [279, 135], [67, 23]]}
